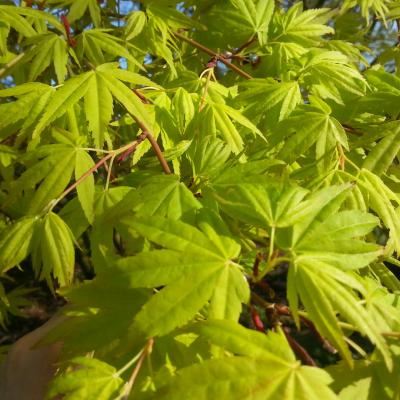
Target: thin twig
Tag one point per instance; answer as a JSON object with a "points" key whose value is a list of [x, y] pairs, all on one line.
{"points": [[212, 53], [352, 130], [325, 343], [146, 351], [256, 264], [123, 149], [391, 334], [256, 299], [259, 325], [246, 44], [159, 153], [301, 352], [151, 139], [11, 64]]}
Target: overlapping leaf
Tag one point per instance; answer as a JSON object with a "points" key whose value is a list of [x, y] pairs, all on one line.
{"points": [[312, 124], [330, 75], [95, 43], [257, 15], [202, 267], [100, 86], [279, 97], [92, 379], [48, 48], [264, 369]]}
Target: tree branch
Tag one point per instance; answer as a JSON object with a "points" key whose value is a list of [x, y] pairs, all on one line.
{"points": [[130, 146], [150, 137], [159, 153], [301, 352], [212, 53]]}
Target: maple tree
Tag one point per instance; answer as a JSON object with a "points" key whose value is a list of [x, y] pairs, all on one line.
{"points": [[190, 156]]}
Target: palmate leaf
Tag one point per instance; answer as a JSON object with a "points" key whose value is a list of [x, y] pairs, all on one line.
{"points": [[257, 15], [78, 9], [217, 118], [99, 87], [48, 48], [264, 369], [95, 43], [50, 242], [129, 100], [378, 7], [65, 97], [384, 152], [320, 241], [162, 21], [329, 75], [315, 272], [98, 108], [259, 205], [16, 242], [31, 100], [332, 241], [267, 94], [57, 250], [385, 93], [135, 24], [91, 379], [224, 17], [202, 267], [208, 156], [325, 290], [164, 196], [106, 304], [312, 124], [301, 27], [53, 171], [380, 199], [14, 17], [368, 380]]}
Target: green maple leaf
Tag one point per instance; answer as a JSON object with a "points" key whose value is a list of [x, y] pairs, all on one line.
{"points": [[264, 368], [197, 268], [92, 379]]}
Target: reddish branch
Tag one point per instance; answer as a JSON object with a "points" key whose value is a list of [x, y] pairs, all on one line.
{"points": [[131, 146], [212, 53], [256, 265], [257, 320], [67, 27], [150, 137], [300, 351], [325, 344]]}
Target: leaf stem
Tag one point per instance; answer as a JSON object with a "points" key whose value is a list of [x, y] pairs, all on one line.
{"points": [[146, 351], [270, 265], [212, 53], [271, 244], [246, 44], [110, 171]]}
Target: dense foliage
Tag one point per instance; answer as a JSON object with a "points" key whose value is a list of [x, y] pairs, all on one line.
{"points": [[228, 173]]}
